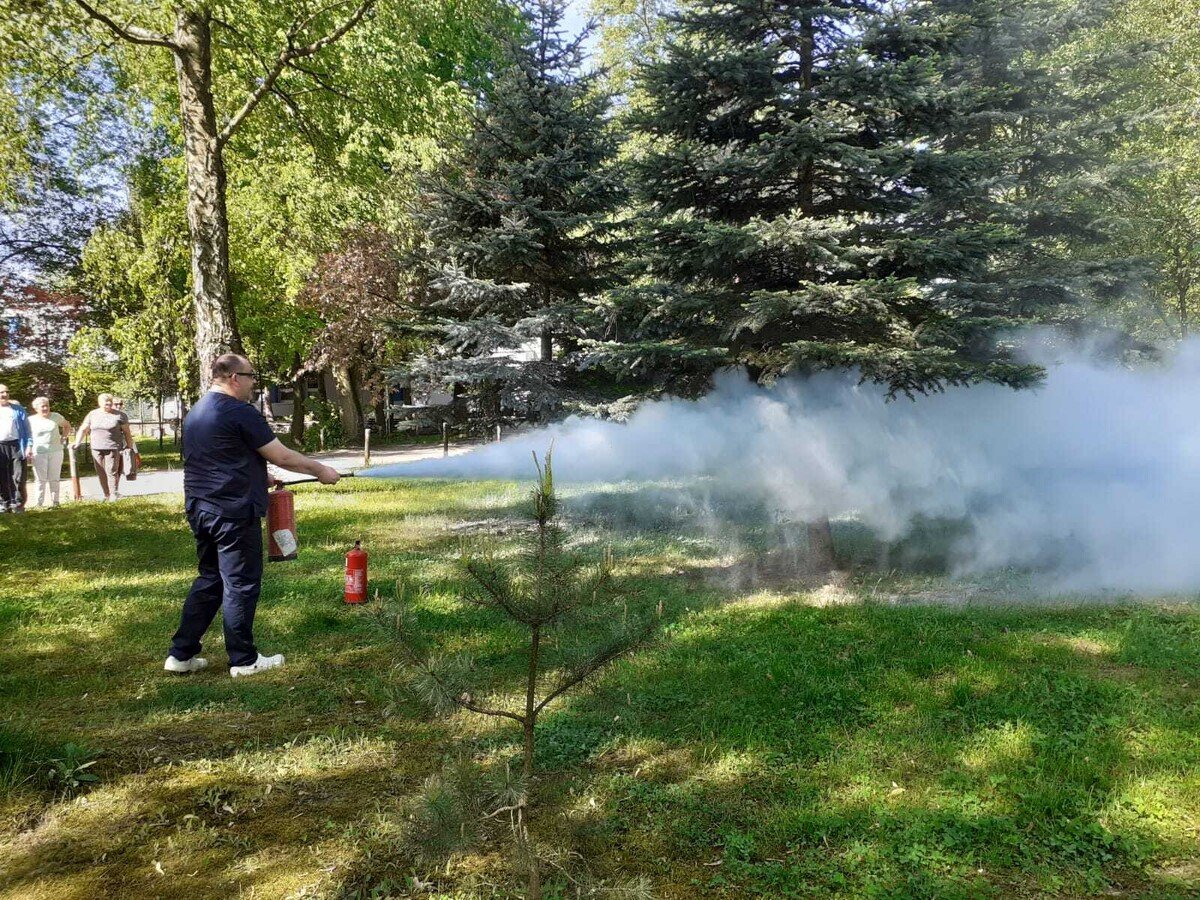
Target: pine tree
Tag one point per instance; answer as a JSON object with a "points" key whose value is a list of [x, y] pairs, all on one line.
{"points": [[574, 622], [517, 224], [1044, 109], [816, 197]]}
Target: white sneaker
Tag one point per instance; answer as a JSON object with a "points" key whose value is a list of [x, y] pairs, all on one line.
{"points": [[259, 665], [116, 495], [185, 666]]}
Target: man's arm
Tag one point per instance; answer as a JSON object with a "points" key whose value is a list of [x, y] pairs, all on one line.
{"points": [[279, 455], [26, 434]]}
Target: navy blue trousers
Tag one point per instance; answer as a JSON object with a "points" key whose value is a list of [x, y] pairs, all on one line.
{"points": [[230, 553], [12, 474]]}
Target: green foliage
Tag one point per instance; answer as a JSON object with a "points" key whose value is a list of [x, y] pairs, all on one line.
{"points": [[26, 764], [68, 773], [36, 379], [302, 167], [573, 623], [1158, 219], [92, 367], [887, 187], [445, 817], [517, 225], [325, 430], [633, 32]]}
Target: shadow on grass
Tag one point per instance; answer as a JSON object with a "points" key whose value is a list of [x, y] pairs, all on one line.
{"points": [[753, 751], [796, 752], [141, 835]]}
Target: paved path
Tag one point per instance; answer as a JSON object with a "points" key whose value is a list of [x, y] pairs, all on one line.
{"points": [[171, 482]]}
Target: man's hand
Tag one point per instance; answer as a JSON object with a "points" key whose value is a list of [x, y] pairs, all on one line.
{"points": [[279, 455]]}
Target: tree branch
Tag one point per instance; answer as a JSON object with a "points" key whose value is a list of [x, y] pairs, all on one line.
{"points": [[595, 664], [321, 79], [504, 809], [286, 56], [132, 33], [466, 702]]}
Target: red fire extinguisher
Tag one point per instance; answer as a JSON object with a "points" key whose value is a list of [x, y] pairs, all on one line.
{"points": [[356, 574], [281, 524]]}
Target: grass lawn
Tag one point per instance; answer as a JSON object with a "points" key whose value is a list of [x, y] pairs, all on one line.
{"points": [[770, 743]]}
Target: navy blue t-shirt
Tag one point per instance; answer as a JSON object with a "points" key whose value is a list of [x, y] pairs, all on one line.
{"points": [[223, 473]]}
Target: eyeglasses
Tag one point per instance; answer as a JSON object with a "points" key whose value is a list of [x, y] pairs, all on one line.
{"points": [[253, 375]]}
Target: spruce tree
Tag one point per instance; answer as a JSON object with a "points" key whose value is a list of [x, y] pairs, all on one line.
{"points": [[816, 197], [1044, 107], [517, 224]]}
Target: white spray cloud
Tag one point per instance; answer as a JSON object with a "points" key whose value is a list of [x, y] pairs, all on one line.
{"points": [[1093, 478]]}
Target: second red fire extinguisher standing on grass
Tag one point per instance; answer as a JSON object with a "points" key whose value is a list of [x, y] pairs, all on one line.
{"points": [[356, 574]]}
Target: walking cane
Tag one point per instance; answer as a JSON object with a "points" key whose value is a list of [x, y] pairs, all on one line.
{"points": [[76, 490]]}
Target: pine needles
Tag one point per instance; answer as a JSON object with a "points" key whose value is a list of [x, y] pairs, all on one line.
{"points": [[574, 621]]}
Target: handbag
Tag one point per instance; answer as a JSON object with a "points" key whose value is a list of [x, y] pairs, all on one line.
{"points": [[129, 461]]}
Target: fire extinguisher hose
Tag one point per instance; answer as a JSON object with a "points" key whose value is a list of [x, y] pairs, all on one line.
{"points": [[312, 479]]}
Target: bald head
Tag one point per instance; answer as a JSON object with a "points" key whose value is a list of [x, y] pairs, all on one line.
{"points": [[233, 375], [229, 364]]}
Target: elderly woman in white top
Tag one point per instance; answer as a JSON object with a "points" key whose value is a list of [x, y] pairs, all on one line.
{"points": [[50, 432]]}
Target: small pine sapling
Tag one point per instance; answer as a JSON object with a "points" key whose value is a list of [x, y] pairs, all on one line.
{"points": [[574, 623]]}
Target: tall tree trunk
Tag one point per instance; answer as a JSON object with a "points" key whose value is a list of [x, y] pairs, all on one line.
{"points": [[299, 396], [547, 345], [820, 545], [350, 406], [529, 723], [382, 418], [208, 222]]}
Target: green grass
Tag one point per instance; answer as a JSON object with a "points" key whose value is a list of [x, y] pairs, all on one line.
{"points": [[779, 742]]}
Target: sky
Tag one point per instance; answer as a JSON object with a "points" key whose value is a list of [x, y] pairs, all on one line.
{"points": [[577, 16]]}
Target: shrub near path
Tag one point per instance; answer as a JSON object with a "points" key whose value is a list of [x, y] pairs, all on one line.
{"points": [[762, 747]]}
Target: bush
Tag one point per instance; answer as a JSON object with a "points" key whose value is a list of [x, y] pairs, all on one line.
{"points": [[39, 379], [324, 417]]}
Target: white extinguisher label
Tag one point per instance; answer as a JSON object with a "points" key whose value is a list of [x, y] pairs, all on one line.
{"points": [[285, 541], [354, 582]]}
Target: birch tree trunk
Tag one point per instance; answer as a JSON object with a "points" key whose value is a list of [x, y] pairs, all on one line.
{"points": [[208, 222]]}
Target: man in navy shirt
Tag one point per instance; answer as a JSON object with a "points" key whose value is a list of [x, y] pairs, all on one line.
{"points": [[226, 446]]}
